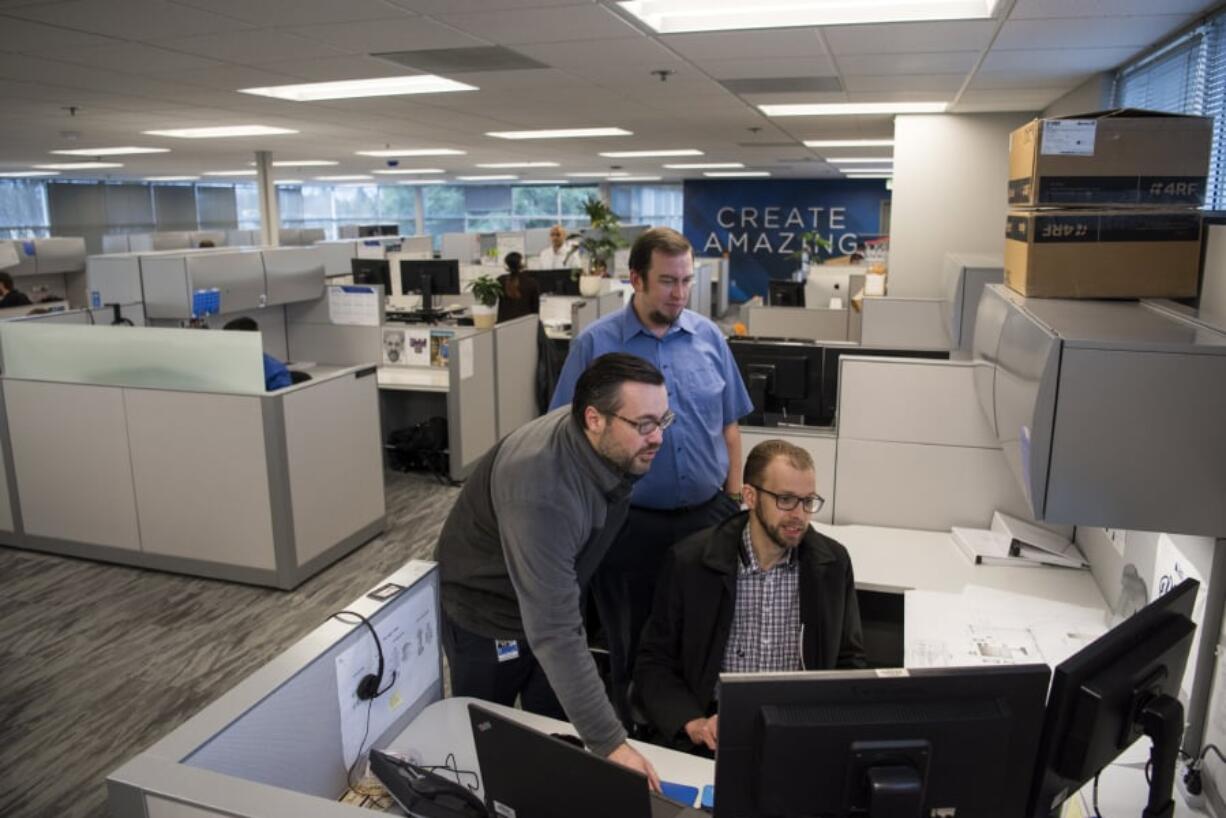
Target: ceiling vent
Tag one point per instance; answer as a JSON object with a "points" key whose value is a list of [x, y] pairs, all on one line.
{"points": [[448, 61], [784, 85]]}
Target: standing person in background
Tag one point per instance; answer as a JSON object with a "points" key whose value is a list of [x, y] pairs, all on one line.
{"points": [[558, 254], [520, 293], [696, 480]]}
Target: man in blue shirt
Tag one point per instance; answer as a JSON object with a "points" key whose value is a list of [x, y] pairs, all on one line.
{"points": [[276, 374], [695, 481]]}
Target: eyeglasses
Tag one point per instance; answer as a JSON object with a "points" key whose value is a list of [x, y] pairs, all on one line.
{"points": [[787, 502], [649, 425]]}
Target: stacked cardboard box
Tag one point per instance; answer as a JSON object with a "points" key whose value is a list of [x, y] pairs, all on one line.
{"points": [[1105, 205]]}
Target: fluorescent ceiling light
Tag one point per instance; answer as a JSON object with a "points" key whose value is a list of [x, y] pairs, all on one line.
{"points": [[859, 160], [870, 176], [392, 152], [706, 166], [288, 182], [639, 179], [848, 143], [407, 171], [676, 16], [734, 173], [422, 182], [109, 151], [494, 178], [354, 89], [171, 178], [27, 174], [79, 166], [510, 165], [543, 182], [560, 133], [231, 173], [645, 154], [598, 174], [348, 177], [854, 108], [220, 132], [302, 163]]}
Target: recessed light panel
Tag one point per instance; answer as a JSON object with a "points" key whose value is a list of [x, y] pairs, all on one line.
{"points": [[652, 154], [394, 152], [677, 16], [512, 165], [109, 151], [221, 132], [848, 143], [706, 166], [355, 89], [560, 133]]}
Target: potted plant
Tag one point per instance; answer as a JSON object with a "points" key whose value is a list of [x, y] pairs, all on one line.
{"points": [[597, 243], [486, 291], [810, 243]]}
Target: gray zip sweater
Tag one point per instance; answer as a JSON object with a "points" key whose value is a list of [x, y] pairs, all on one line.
{"points": [[533, 522]]}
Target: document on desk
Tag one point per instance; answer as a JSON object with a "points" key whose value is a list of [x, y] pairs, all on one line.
{"points": [[411, 662], [984, 626]]}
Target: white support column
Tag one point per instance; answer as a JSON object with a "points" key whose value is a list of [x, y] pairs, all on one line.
{"points": [[419, 201], [270, 222]]}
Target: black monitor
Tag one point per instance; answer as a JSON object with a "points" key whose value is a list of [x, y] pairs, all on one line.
{"points": [[430, 277], [830, 371], [784, 379], [371, 271], [556, 282], [368, 230], [1123, 685], [921, 742], [785, 293]]}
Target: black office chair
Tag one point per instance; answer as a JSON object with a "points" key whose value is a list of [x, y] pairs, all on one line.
{"points": [[298, 376]]}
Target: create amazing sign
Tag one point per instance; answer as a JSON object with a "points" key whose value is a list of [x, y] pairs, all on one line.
{"points": [[760, 223]]}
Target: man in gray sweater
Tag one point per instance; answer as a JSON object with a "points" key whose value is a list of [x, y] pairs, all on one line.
{"points": [[531, 525]]}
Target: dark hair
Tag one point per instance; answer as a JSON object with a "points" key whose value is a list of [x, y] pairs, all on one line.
{"points": [[6, 280], [515, 265], [765, 453], [206, 243], [600, 384], [665, 239], [243, 323]]}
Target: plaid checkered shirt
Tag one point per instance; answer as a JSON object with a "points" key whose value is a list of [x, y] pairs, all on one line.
{"points": [[766, 623]]}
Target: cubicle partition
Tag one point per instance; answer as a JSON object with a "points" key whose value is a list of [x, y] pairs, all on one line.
{"points": [[281, 742], [798, 322], [515, 360], [160, 448]]}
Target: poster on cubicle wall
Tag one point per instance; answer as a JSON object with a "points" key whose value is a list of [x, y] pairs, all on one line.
{"points": [[759, 223]]}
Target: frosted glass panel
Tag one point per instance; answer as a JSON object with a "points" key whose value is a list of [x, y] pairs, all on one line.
{"points": [[190, 359]]}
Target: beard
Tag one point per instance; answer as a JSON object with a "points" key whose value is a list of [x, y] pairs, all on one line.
{"points": [[628, 461], [778, 536]]}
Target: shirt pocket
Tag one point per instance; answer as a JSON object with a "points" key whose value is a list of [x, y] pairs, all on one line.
{"points": [[702, 392]]}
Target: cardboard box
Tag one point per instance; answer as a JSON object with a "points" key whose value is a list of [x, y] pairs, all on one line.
{"points": [[1121, 157], [1119, 253]]}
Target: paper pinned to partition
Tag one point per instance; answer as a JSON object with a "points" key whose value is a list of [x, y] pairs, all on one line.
{"points": [[411, 661], [353, 304]]}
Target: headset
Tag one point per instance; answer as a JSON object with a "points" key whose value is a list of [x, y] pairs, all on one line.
{"points": [[368, 687]]}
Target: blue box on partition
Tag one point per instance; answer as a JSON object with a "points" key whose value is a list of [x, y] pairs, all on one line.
{"points": [[206, 302]]}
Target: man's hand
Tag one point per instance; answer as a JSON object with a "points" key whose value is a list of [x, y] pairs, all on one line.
{"points": [[704, 732], [627, 756]]}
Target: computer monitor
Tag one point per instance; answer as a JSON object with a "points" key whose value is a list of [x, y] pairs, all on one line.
{"points": [[921, 742], [556, 282], [784, 379], [1123, 685], [830, 370], [371, 271], [430, 277], [785, 293], [369, 230]]}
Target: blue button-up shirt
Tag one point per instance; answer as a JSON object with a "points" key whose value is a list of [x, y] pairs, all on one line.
{"points": [[705, 390], [276, 374]]}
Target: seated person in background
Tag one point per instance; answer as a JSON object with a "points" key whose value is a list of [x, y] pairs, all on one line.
{"points": [[520, 293], [276, 374], [760, 592], [205, 244], [10, 297]]}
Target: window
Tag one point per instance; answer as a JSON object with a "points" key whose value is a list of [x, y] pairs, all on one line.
{"points": [[23, 209], [656, 205], [1186, 76], [247, 198]]}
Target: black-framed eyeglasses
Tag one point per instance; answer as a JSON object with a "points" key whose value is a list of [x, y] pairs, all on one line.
{"points": [[648, 425], [787, 502]]}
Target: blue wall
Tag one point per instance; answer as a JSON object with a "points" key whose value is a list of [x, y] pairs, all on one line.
{"points": [[759, 223]]}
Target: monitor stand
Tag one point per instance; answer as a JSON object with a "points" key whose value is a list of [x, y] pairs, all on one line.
{"points": [[1161, 718], [427, 312], [894, 774]]}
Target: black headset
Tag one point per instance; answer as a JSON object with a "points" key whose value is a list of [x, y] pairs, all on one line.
{"points": [[368, 687]]}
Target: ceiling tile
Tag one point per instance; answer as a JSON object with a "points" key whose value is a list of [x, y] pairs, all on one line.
{"points": [[1101, 32], [1054, 78], [407, 34], [1015, 100], [281, 13], [26, 37], [933, 62], [728, 45], [334, 68], [910, 38], [134, 58], [130, 19], [542, 25], [252, 47], [941, 84], [1045, 61], [763, 68], [456, 6]]}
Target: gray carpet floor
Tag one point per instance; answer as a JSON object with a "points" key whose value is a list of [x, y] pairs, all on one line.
{"points": [[97, 661]]}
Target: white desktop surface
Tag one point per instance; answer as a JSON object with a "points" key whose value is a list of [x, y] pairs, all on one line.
{"points": [[414, 379], [444, 728]]}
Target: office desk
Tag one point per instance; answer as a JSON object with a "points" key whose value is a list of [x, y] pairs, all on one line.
{"points": [[414, 379], [443, 727]]}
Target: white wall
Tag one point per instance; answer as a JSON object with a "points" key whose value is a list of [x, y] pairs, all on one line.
{"points": [[951, 174], [1092, 95], [1213, 288]]}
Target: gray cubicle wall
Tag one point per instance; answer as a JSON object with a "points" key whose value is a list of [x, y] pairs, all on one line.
{"points": [[311, 334], [472, 400], [798, 322], [904, 323], [272, 745], [515, 362]]}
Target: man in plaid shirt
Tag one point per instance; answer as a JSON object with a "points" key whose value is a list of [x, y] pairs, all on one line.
{"points": [[762, 591]]}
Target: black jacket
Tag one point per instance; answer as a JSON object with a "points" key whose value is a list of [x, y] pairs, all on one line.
{"points": [[683, 643]]}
